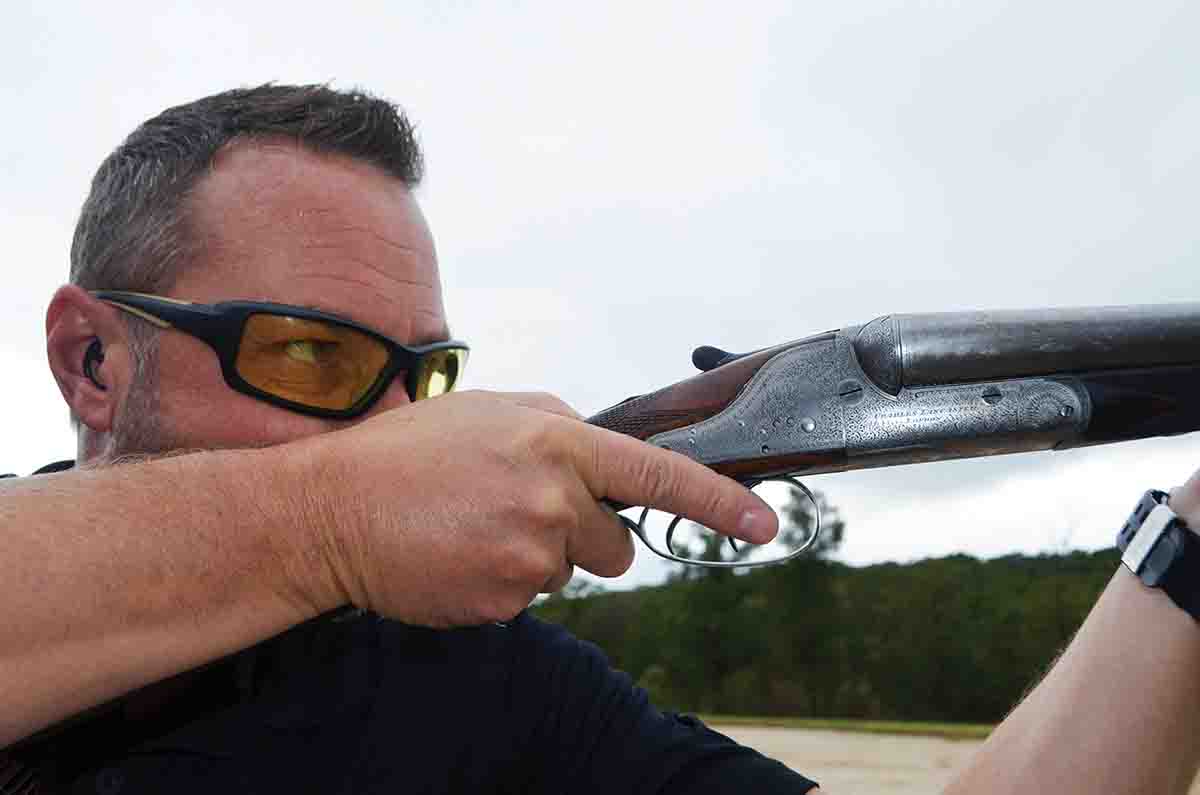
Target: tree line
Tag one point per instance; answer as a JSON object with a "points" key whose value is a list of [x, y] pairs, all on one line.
{"points": [[948, 639]]}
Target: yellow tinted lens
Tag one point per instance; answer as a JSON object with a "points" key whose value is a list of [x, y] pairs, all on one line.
{"points": [[310, 362], [440, 371]]}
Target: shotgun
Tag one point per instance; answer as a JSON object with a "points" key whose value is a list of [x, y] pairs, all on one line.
{"points": [[911, 388]]}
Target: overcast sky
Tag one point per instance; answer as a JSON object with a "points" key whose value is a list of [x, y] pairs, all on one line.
{"points": [[611, 184]]}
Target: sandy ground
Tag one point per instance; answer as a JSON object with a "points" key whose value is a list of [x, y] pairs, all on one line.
{"points": [[864, 764]]}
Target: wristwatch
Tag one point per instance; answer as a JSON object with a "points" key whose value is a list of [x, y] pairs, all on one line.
{"points": [[1162, 551]]}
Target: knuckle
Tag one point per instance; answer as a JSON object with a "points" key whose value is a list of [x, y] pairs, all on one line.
{"points": [[526, 564], [544, 440], [528, 434], [547, 507]]}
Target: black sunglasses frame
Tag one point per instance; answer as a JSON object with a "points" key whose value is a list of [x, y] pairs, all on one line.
{"points": [[220, 326]]}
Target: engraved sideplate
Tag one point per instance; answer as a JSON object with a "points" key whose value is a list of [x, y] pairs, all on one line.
{"points": [[814, 398], [789, 405]]}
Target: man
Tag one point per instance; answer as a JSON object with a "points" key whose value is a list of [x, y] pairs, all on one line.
{"points": [[248, 471]]}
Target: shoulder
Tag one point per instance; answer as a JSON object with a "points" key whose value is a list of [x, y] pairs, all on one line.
{"points": [[594, 723], [558, 664]]}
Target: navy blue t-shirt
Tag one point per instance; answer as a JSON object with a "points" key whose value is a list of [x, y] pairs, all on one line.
{"points": [[355, 703]]}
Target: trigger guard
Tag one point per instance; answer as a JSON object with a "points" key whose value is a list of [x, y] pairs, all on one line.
{"points": [[638, 528]]}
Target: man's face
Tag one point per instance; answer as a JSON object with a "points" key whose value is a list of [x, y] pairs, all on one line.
{"points": [[278, 223]]}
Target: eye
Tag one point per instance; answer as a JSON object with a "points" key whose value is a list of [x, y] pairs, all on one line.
{"points": [[310, 351]]}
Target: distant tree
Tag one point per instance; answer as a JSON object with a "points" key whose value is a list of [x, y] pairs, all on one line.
{"points": [[759, 642], [797, 519], [808, 651], [943, 639]]}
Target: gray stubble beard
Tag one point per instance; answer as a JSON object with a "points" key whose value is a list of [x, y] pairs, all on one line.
{"points": [[138, 431]]}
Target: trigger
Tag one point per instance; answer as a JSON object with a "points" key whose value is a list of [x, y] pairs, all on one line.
{"points": [[706, 357]]}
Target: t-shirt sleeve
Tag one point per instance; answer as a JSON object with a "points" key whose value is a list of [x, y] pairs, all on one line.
{"points": [[591, 730]]}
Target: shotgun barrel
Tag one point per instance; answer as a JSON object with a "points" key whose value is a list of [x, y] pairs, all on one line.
{"points": [[908, 388]]}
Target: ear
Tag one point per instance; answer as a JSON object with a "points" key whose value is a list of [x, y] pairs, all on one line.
{"points": [[74, 321]]}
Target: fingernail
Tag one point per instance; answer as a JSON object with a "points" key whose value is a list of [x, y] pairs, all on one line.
{"points": [[757, 526]]}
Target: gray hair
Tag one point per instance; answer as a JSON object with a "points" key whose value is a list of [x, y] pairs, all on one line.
{"points": [[133, 230]]}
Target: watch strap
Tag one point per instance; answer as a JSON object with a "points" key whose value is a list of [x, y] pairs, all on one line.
{"points": [[1160, 549], [1182, 581]]}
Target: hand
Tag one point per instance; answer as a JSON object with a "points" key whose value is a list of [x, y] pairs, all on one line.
{"points": [[459, 510], [1185, 501]]}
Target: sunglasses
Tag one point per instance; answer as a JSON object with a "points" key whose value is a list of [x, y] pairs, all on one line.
{"points": [[307, 361]]}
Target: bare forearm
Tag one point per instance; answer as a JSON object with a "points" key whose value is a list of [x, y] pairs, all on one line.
{"points": [[114, 578], [1119, 712]]}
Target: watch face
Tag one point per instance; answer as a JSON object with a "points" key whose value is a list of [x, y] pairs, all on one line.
{"points": [[1162, 551], [1155, 547]]}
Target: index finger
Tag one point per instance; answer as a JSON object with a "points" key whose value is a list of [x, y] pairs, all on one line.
{"points": [[625, 469]]}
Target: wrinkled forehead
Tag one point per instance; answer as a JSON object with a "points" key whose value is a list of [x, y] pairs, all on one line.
{"points": [[274, 221]]}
